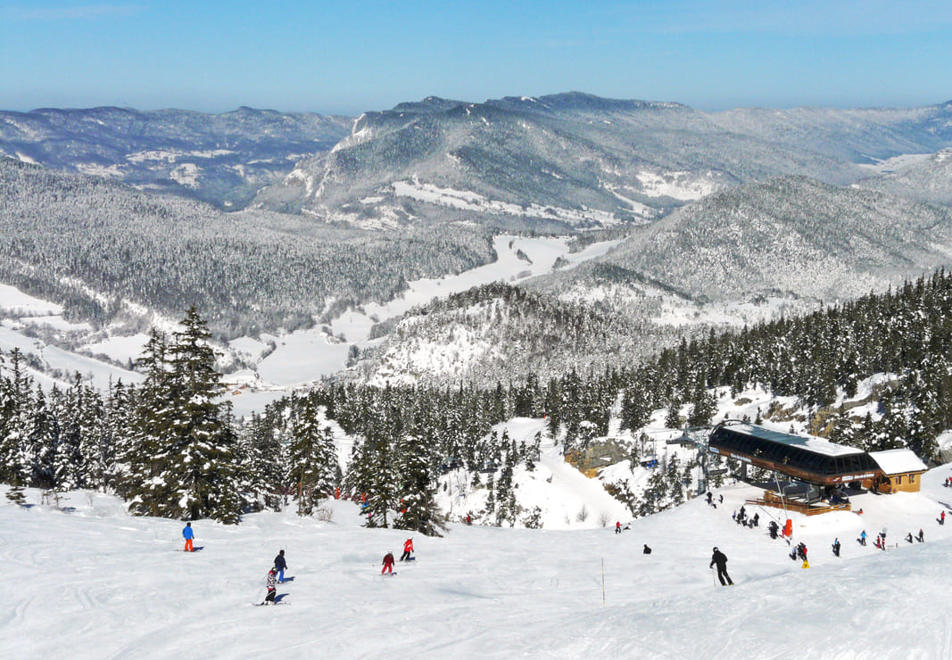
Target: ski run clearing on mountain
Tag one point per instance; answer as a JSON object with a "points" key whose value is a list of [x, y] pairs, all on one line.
{"points": [[91, 581]]}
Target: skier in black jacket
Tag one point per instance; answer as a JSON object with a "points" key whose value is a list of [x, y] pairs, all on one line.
{"points": [[720, 559]]}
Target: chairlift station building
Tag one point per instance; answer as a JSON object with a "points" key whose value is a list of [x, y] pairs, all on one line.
{"points": [[815, 460]]}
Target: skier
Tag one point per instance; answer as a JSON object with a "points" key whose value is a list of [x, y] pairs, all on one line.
{"points": [[387, 564], [942, 517], [710, 498], [279, 565], [909, 537], [271, 589], [862, 538], [720, 499], [755, 521], [407, 549], [720, 559], [647, 550], [618, 527], [921, 537], [836, 547], [188, 535], [773, 528]]}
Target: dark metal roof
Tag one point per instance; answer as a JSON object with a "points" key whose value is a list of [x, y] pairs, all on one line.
{"points": [[805, 457]]}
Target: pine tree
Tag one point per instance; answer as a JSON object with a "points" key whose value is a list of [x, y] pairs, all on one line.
{"points": [[418, 509], [313, 458], [185, 457]]}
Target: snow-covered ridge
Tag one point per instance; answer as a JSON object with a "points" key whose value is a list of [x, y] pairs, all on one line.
{"points": [[471, 201]]}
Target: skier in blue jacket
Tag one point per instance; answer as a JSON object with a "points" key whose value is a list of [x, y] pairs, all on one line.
{"points": [[188, 535], [279, 565]]}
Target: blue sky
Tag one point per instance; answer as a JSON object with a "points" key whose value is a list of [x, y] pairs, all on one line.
{"points": [[346, 57]]}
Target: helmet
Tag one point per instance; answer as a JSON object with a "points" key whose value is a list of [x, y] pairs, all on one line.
{"points": [[715, 548]]}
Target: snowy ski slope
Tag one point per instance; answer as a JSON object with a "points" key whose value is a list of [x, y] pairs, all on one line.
{"points": [[95, 582]]}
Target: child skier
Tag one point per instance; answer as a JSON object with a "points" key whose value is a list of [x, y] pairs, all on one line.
{"points": [[269, 599], [387, 564], [407, 549], [836, 547], [279, 565], [188, 535]]}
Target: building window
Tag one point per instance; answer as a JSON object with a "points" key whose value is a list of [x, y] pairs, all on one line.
{"points": [[912, 478], [899, 480]]}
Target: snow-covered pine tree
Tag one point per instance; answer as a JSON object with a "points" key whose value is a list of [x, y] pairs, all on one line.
{"points": [[418, 509], [313, 458], [202, 468], [150, 442], [14, 409]]}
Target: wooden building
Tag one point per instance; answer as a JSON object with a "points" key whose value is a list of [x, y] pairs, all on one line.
{"points": [[900, 470], [808, 459]]}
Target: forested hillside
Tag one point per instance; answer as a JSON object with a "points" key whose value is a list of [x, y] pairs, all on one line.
{"points": [[172, 448], [93, 245], [499, 332], [791, 235]]}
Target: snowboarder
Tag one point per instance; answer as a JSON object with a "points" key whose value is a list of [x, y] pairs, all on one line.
{"points": [[922, 537], [407, 549], [720, 559], [618, 527], [188, 535], [279, 565], [909, 537], [387, 563], [862, 538], [836, 547], [647, 550], [269, 599], [773, 528]]}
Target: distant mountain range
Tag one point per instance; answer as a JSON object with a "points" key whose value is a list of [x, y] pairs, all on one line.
{"points": [[219, 158], [574, 161], [725, 217]]}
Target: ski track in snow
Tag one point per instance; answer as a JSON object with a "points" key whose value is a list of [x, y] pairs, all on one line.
{"points": [[98, 583]]}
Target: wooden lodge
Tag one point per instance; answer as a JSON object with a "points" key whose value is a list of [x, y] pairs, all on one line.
{"points": [[805, 458], [821, 467], [901, 471]]}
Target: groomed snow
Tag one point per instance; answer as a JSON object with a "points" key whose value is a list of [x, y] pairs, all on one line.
{"points": [[96, 583]]}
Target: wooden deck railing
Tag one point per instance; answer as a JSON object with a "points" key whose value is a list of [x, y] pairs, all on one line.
{"points": [[773, 500]]}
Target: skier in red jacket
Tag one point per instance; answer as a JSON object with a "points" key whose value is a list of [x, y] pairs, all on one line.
{"points": [[407, 549], [387, 563]]}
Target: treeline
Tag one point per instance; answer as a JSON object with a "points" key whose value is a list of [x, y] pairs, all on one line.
{"points": [[171, 447]]}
